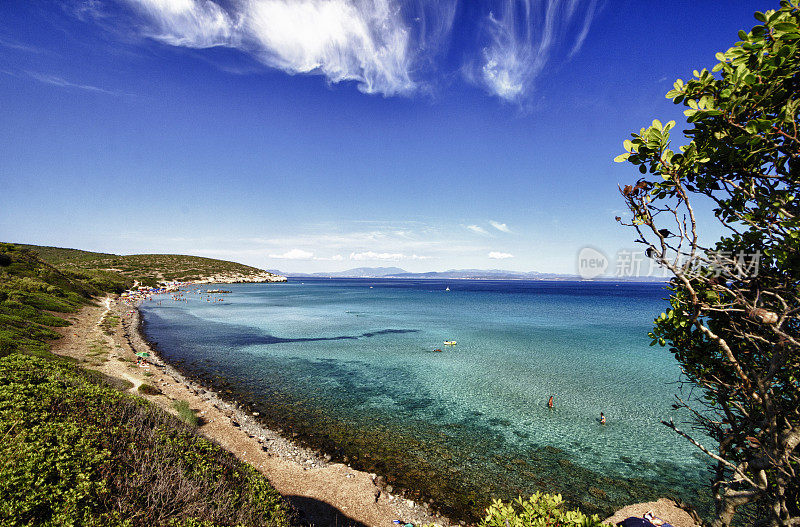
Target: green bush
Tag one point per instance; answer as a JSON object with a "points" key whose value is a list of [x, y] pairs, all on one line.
{"points": [[541, 510], [185, 412], [77, 452], [149, 389]]}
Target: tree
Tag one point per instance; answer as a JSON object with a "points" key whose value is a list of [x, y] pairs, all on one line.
{"points": [[733, 322]]}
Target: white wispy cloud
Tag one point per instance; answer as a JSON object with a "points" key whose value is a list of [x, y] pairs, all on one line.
{"points": [[587, 23], [495, 255], [371, 255], [376, 43], [502, 227], [520, 37], [477, 229], [389, 47], [19, 46], [55, 80], [294, 254]]}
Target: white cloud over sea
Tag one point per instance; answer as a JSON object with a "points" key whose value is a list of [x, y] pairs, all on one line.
{"points": [[502, 227], [372, 255], [496, 255], [388, 47], [477, 229], [294, 254]]}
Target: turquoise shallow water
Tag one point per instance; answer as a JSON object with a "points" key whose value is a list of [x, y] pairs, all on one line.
{"points": [[348, 365]]}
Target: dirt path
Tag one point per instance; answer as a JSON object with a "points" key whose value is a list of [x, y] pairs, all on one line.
{"points": [[325, 493]]}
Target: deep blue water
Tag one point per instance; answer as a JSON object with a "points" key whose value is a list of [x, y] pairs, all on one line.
{"points": [[349, 365]]}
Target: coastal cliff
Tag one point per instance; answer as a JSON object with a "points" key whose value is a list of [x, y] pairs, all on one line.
{"points": [[238, 278]]}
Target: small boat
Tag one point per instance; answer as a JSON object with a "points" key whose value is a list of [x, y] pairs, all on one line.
{"points": [[448, 288], [450, 343], [437, 350]]}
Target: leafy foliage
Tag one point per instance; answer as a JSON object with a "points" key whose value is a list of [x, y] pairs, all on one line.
{"points": [[185, 412], [76, 452], [734, 322], [148, 389], [541, 510]]}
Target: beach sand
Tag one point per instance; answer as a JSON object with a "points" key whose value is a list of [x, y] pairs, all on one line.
{"points": [[324, 493]]}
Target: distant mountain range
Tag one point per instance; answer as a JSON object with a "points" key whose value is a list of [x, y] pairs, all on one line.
{"points": [[456, 274], [359, 272]]}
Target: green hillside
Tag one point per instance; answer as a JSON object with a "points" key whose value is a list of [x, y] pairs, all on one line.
{"points": [[146, 268], [30, 292], [75, 450]]}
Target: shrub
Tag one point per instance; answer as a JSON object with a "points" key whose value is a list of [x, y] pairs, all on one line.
{"points": [[76, 452], [541, 510], [185, 412], [148, 389], [108, 323]]}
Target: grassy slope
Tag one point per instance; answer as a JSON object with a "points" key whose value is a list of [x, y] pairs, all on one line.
{"points": [[30, 290], [75, 451], [147, 268], [82, 453]]}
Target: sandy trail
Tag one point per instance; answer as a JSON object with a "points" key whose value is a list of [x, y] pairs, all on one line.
{"points": [[324, 493]]}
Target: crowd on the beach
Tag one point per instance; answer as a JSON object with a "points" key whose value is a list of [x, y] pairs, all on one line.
{"points": [[178, 292]]}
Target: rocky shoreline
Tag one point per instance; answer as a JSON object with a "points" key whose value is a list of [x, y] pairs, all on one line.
{"points": [[270, 440], [272, 444]]}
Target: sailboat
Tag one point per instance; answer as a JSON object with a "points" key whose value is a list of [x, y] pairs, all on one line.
{"points": [[448, 288]]}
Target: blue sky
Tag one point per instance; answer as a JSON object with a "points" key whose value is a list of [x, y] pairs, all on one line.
{"points": [[309, 135]]}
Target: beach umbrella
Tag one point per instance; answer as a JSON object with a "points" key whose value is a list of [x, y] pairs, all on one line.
{"points": [[143, 354]]}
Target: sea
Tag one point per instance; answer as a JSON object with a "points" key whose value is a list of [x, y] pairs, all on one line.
{"points": [[351, 367]]}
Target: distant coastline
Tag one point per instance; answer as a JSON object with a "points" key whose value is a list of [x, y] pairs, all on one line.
{"points": [[470, 274]]}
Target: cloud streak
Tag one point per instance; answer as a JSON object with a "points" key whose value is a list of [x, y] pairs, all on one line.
{"points": [[55, 80], [388, 47], [477, 230], [371, 255], [378, 44], [519, 39], [294, 254], [496, 255], [502, 227]]}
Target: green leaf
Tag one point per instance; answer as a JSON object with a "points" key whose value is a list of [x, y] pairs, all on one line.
{"points": [[622, 157], [785, 26], [758, 15]]}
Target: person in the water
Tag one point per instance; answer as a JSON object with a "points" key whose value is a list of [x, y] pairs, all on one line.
{"points": [[602, 418], [550, 401]]}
